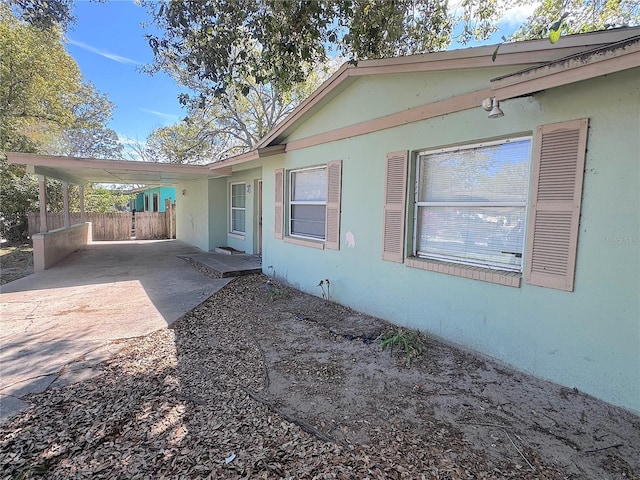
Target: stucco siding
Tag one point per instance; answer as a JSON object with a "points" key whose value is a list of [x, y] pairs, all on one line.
{"points": [[588, 338], [379, 95], [192, 213]]}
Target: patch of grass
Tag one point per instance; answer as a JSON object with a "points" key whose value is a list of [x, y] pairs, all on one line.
{"points": [[278, 292], [407, 341]]}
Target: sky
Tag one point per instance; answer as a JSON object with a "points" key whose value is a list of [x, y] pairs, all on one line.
{"points": [[109, 45], [107, 42]]}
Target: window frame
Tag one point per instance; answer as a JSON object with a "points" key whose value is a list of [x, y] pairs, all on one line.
{"points": [[291, 202], [232, 208], [418, 204]]}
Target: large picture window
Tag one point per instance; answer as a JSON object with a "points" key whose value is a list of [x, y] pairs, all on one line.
{"points": [[238, 197], [471, 204], [308, 202]]}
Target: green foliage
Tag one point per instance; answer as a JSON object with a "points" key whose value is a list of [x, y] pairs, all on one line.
{"points": [[225, 43], [553, 18], [407, 341], [44, 14], [44, 108], [102, 200], [88, 135], [276, 292], [18, 196], [280, 42], [40, 84]]}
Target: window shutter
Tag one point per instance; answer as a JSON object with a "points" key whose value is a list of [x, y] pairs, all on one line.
{"points": [[395, 186], [554, 214], [279, 204], [334, 174]]}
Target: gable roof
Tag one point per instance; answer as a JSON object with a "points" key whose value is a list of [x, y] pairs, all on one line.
{"points": [[572, 58]]}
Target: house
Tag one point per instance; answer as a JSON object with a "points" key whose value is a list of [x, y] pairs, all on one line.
{"points": [[492, 202], [516, 236], [152, 199]]}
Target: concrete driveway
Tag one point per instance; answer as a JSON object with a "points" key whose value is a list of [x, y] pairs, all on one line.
{"points": [[57, 324]]}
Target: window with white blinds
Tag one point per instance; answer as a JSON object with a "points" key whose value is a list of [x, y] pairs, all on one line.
{"points": [[471, 204], [238, 207], [308, 202]]}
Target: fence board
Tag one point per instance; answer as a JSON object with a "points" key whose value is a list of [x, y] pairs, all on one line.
{"points": [[106, 226], [150, 225]]}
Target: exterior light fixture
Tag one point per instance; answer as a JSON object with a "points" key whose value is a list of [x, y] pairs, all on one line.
{"points": [[492, 105]]}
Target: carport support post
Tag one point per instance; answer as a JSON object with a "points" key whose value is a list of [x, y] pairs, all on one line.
{"points": [[42, 201], [81, 195], [65, 204]]}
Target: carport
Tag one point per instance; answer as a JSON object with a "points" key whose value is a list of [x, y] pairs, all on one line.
{"points": [[49, 247], [59, 323]]}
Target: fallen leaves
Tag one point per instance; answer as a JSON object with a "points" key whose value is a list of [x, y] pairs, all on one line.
{"points": [[251, 386]]}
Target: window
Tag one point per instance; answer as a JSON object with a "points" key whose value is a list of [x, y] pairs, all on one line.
{"points": [[308, 202], [146, 203], [156, 202], [471, 204], [238, 207]]}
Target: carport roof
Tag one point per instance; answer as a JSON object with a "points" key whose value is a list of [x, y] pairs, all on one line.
{"points": [[93, 170]]}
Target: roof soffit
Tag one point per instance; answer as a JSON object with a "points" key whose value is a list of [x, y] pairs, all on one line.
{"points": [[91, 170]]}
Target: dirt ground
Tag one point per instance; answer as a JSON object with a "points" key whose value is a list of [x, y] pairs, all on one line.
{"points": [[16, 261], [263, 381]]}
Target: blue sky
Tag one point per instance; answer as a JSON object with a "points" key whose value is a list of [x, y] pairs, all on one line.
{"points": [[108, 43]]}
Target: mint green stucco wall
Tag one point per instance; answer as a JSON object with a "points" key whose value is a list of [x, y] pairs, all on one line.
{"points": [[203, 212], [198, 221], [589, 338]]}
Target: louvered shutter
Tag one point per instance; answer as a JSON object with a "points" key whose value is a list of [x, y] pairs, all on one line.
{"points": [[279, 204], [556, 194], [334, 174], [395, 186]]}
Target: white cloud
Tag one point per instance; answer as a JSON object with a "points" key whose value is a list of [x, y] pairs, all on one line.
{"points": [[169, 117], [516, 16], [104, 53]]}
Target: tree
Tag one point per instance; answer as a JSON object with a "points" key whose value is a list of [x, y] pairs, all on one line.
{"points": [[44, 108], [88, 136], [43, 14], [228, 124], [577, 16], [226, 42], [40, 84]]}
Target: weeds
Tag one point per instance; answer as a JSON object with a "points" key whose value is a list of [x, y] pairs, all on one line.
{"points": [[278, 292], [407, 341], [326, 295]]}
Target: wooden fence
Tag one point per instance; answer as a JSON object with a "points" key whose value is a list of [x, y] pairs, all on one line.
{"points": [[150, 226], [115, 226]]}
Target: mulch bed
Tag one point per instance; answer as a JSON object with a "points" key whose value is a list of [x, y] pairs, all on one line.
{"points": [[263, 381]]}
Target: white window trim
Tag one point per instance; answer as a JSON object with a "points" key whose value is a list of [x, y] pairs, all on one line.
{"points": [[303, 202], [232, 208], [417, 204]]}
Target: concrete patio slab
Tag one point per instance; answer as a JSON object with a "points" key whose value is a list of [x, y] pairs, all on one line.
{"points": [[69, 313]]}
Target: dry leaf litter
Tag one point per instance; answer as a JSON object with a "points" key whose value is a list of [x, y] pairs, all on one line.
{"points": [[262, 381]]}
